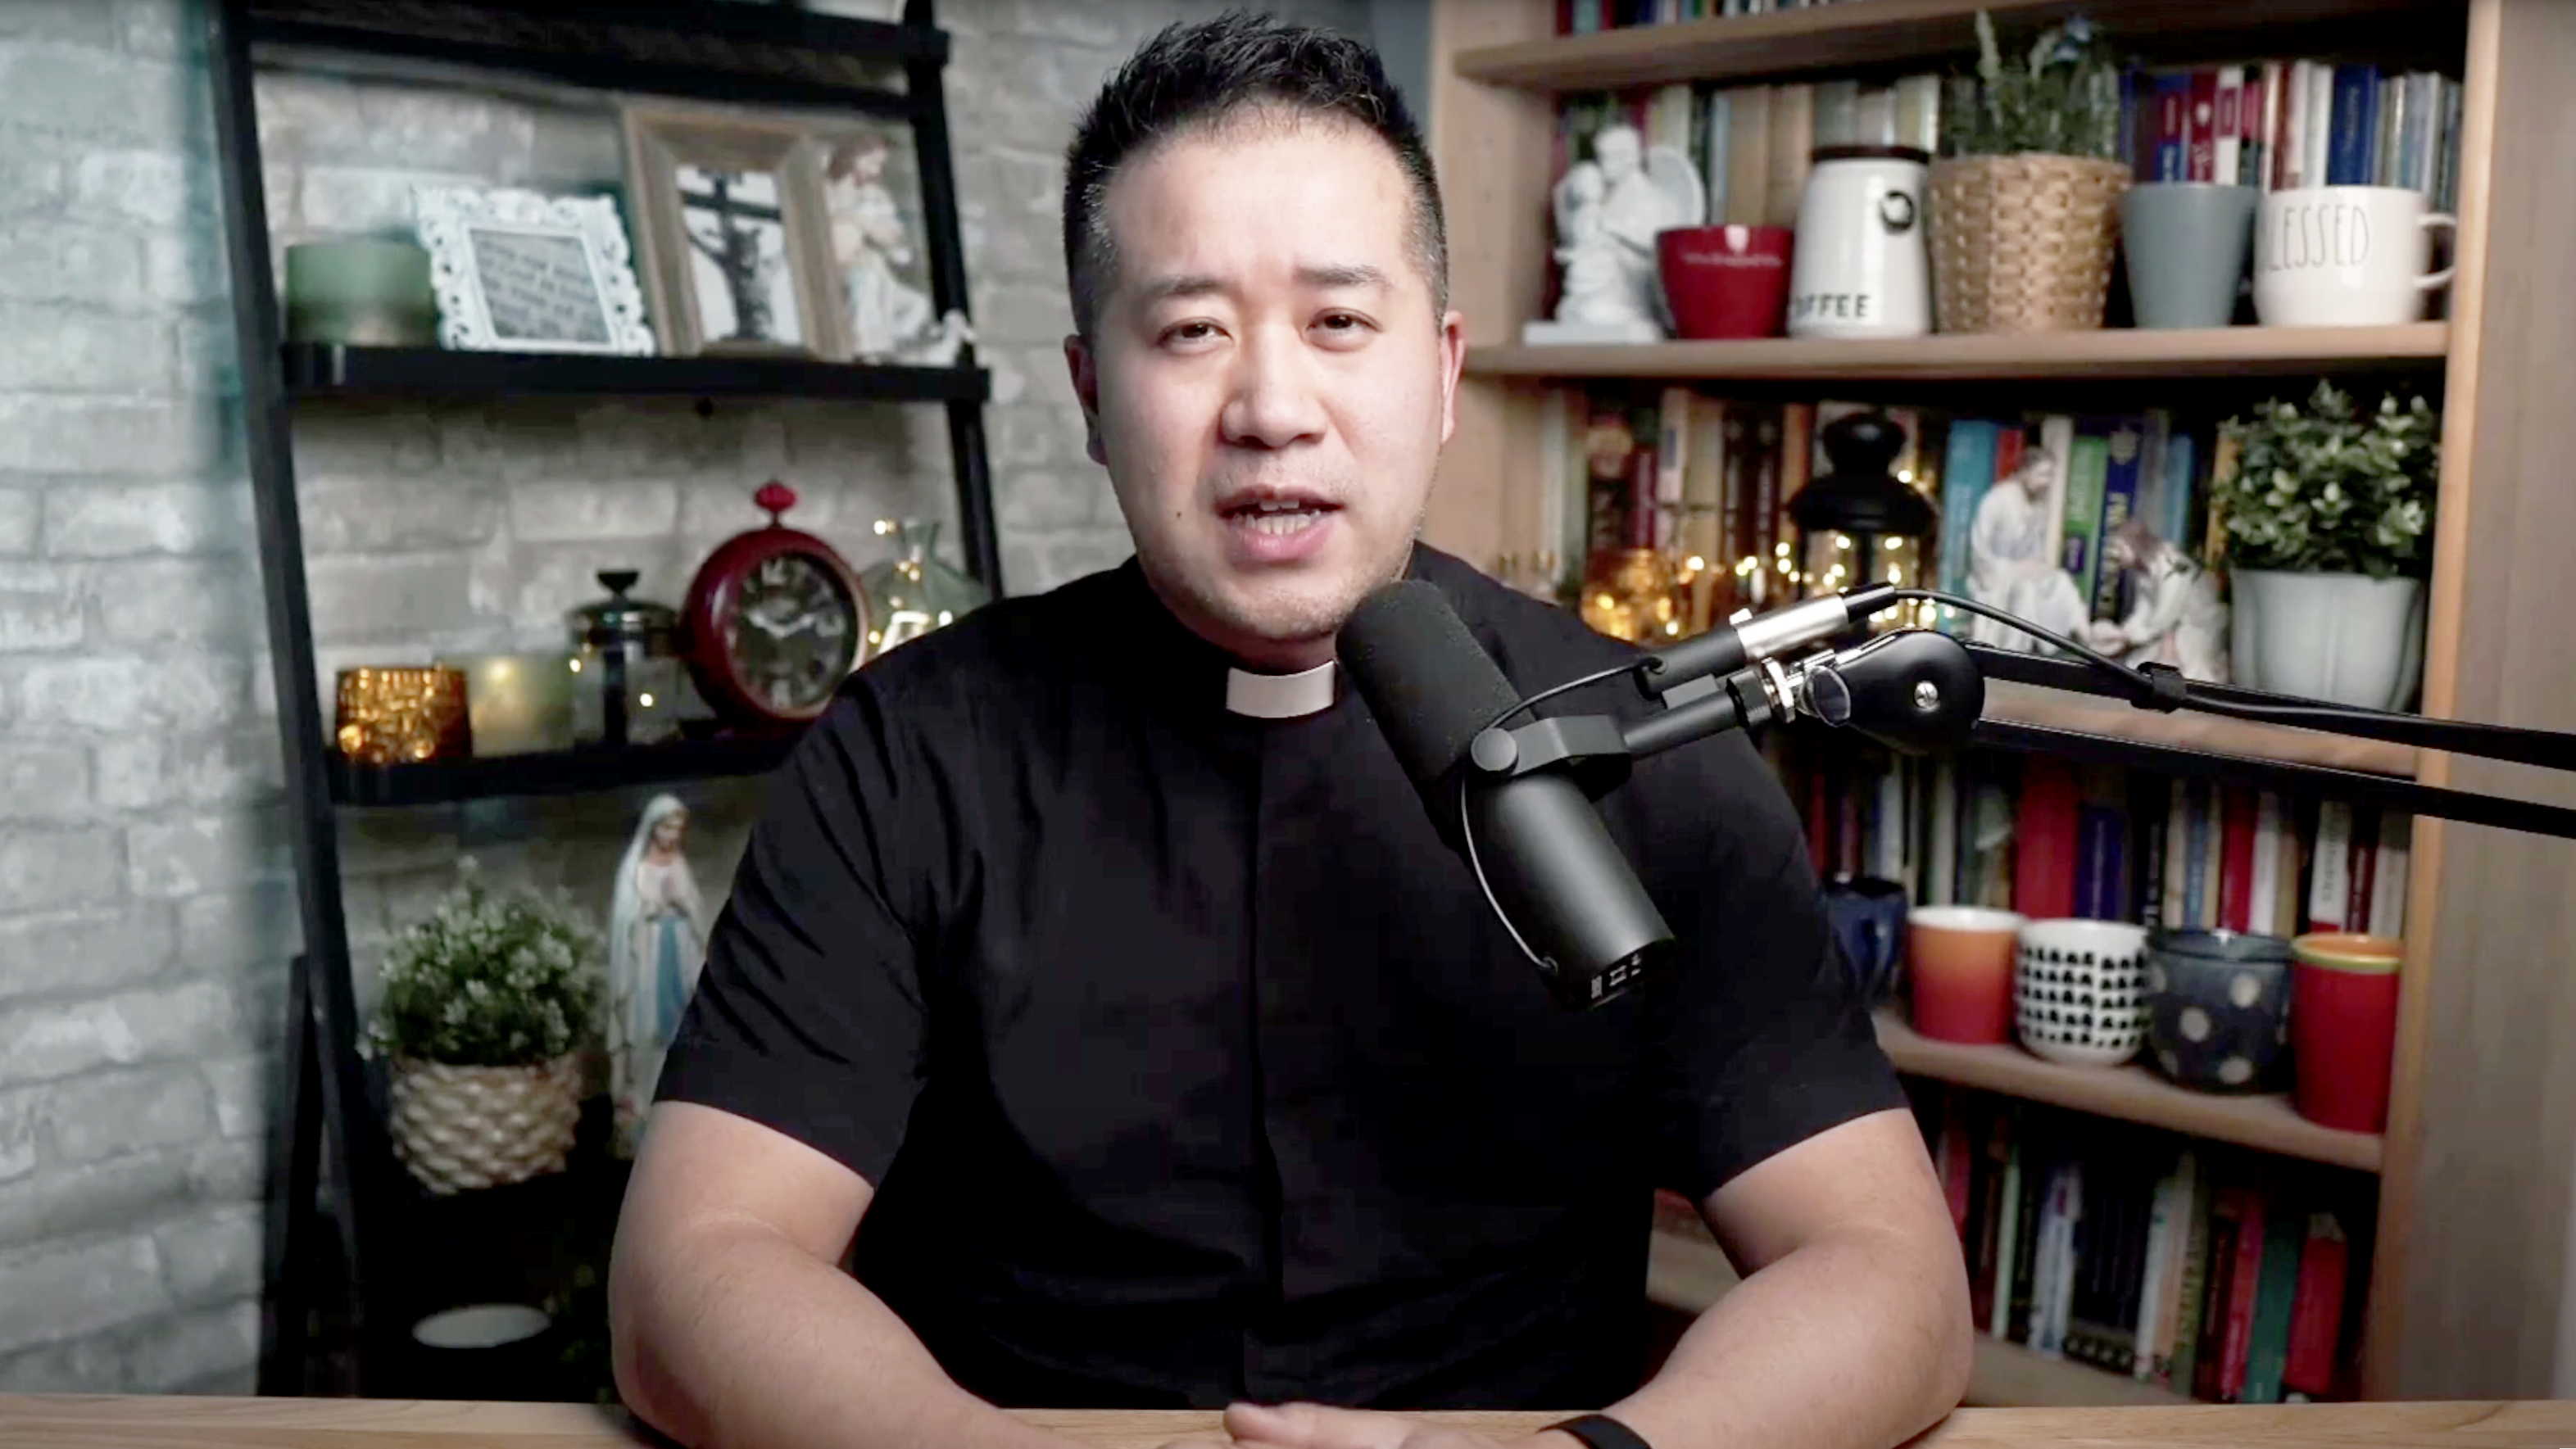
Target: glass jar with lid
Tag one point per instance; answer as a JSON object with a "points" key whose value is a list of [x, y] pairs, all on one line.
{"points": [[627, 667]]}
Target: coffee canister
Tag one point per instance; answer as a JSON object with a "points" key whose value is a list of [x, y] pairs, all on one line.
{"points": [[1861, 268]]}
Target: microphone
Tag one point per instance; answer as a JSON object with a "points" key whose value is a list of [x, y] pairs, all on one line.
{"points": [[1539, 848]]}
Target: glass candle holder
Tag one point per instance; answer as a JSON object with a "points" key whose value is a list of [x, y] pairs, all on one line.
{"points": [[402, 714]]}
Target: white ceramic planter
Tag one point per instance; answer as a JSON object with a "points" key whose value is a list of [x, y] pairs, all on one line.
{"points": [[2347, 638]]}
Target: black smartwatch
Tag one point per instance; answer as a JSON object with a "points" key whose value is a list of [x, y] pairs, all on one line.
{"points": [[1600, 1431]]}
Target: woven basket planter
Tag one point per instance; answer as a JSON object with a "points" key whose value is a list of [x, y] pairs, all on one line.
{"points": [[2023, 243], [467, 1127]]}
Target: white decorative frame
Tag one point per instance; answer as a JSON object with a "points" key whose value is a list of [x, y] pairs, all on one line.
{"points": [[447, 218]]}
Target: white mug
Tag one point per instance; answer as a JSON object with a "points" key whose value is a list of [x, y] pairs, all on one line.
{"points": [[1860, 268], [2345, 256]]}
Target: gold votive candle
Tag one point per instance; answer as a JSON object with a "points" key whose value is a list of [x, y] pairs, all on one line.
{"points": [[403, 714]]}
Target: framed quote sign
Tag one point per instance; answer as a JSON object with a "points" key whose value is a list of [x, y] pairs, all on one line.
{"points": [[516, 271]]}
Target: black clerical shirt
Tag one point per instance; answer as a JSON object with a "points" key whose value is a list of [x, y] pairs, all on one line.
{"points": [[1190, 1066]]}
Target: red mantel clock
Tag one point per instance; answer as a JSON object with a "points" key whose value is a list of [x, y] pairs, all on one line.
{"points": [[773, 622]]}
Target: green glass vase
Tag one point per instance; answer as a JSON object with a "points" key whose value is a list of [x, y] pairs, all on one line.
{"points": [[914, 592]]}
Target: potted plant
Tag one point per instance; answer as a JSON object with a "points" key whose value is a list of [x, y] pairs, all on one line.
{"points": [[488, 1004], [2024, 204], [2327, 518]]}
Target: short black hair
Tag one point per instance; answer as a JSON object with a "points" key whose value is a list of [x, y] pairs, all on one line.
{"points": [[1191, 78]]}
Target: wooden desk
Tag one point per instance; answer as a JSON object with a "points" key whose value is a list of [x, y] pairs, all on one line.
{"points": [[117, 1422]]}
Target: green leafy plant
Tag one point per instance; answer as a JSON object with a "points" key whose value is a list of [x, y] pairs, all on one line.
{"points": [[2063, 99], [489, 979], [2328, 489]]}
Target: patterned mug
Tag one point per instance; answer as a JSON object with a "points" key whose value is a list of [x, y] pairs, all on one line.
{"points": [[2079, 993]]}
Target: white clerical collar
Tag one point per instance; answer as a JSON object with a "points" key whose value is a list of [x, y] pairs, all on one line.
{"points": [[1280, 696]]}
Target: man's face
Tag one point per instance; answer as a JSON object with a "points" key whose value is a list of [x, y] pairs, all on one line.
{"points": [[1269, 387]]}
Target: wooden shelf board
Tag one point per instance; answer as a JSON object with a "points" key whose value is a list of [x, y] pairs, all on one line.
{"points": [[2131, 1093], [1686, 1272], [2111, 352], [2060, 709], [1857, 36]]}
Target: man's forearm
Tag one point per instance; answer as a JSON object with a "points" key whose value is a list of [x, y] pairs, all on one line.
{"points": [[739, 1337], [1855, 1342]]}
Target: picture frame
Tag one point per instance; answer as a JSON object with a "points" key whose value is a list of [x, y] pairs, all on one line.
{"points": [[730, 231], [519, 271]]}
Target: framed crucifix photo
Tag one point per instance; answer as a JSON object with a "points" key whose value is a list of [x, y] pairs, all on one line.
{"points": [[731, 232], [516, 271]]}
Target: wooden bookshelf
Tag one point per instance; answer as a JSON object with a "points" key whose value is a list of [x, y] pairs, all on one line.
{"points": [[2060, 709], [2470, 1198], [2131, 1093], [1862, 35], [2118, 352], [1686, 1272]]}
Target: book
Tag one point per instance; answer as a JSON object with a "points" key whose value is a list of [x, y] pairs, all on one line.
{"points": [[2387, 915], [2236, 867], [2192, 1286], [2122, 484], [2012, 1233], [2244, 1284], [1966, 474], [2079, 528], [2267, 1344], [2316, 1314], [2355, 129], [2045, 827]]}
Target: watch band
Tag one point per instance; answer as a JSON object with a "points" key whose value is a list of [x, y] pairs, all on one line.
{"points": [[1600, 1431]]}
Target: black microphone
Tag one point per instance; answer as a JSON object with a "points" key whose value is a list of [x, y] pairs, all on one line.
{"points": [[1546, 858]]}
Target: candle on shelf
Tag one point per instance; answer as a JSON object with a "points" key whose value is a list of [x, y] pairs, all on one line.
{"points": [[362, 291], [519, 703]]}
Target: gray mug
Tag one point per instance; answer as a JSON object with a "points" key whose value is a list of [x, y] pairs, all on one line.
{"points": [[2187, 243]]}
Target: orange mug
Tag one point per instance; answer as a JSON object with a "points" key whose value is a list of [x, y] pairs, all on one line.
{"points": [[1960, 961]]}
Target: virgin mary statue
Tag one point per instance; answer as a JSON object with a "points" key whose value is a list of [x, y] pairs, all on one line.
{"points": [[657, 942]]}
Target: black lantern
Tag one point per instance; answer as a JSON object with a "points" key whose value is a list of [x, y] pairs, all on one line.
{"points": [[1859, 524]]}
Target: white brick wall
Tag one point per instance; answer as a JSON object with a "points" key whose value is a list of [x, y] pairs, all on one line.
{"points": [[147, 904]]}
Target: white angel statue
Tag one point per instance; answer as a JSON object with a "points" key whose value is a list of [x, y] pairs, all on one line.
{"points": [[657, 944], [890, 319], [1608, 211]]}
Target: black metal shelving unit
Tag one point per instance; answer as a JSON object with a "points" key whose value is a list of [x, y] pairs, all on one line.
{"points": [[320, 370], [342, 1285]]}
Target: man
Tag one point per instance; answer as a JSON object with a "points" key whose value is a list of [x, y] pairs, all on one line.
{"points": [[1096, 967]]}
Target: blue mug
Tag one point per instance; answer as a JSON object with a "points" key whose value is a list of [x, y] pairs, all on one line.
{"points": [[1868, 919]]}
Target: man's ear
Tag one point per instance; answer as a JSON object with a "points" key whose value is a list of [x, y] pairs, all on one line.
{"points": [[1453, 359], [1086, 389]]}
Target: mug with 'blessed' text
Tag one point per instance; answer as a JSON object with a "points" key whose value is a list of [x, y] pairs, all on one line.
{"points": [[2345, 256]]}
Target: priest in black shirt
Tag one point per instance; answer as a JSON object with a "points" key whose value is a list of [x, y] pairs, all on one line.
{"points": [[1097, 969]]}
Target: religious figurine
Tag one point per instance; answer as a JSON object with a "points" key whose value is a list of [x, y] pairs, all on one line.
{"points": [[2012, 560], [657, 944], [2177, 617], [890, 319], [1608, 210]]}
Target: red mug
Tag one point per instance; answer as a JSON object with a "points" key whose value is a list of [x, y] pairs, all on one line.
{"points": [[1726, 281], [2343, 1027]]}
